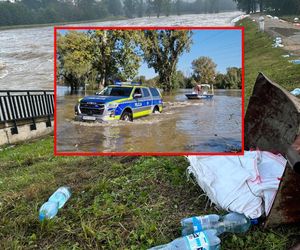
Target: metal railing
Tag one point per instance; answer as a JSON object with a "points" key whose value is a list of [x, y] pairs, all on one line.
{"points": [[17, 105]]}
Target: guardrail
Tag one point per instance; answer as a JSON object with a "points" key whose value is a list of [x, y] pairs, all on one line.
{"points": [[17, 105]]}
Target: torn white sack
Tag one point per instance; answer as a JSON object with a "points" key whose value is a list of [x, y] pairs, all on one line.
{"points": [[244, 184]]}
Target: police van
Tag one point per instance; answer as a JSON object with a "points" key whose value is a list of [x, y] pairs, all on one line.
{"points": [[121, 101]]}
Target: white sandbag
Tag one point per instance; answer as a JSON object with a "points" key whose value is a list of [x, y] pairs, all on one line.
{"points": [[241, 184]]}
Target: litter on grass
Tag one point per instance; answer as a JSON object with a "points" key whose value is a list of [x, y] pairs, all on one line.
{"points": [[296, 92], [277, 43], [243, 184], [295, 61]]}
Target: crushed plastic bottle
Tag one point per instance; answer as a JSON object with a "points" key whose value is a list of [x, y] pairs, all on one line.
{"points": [[56, 201], [232, 222], [203, 240]]}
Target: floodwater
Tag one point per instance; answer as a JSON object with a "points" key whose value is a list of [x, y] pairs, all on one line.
{"points": [[183, 126], [26, 55]]}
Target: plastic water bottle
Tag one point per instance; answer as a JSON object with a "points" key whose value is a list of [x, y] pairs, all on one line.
{"points": [[232, 222], [61, 196], [199, 223], [48, 210], [56, 201], [203, 240]]}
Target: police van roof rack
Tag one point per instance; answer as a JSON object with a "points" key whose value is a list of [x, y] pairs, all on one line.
{"points": [[127, 83]]}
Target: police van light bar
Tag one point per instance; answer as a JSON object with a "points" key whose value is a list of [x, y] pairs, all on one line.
{"points": [[127, 83]]}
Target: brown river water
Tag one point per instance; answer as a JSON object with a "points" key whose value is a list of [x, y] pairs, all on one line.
{"points": [[183, 126]]}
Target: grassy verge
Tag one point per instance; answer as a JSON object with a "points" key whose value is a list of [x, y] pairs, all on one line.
{"points": [[29, 26], [261, 57], [117, 202]]}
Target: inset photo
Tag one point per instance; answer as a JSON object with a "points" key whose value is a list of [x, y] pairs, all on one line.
{"points": [[149, 91]]}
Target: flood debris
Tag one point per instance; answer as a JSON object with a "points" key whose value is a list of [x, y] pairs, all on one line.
{"points": [[277, 42], [297, 61]]}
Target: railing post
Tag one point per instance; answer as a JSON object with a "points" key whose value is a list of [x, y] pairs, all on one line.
{"points": [[33, 125], [14, 129], [47, 108]]}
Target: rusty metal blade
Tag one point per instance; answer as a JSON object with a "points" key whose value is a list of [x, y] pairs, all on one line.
{"points": [[272, 123]]}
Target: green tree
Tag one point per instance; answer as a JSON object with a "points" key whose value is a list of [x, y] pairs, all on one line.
{"points": [[167, 7], [75, 58], [115, 54], [129, 8], [233, 78], [162, 49], [220, 81], [114, 7], [178, 7], [140, 8], [149, 8], [157, 6], [204, 70], [178, 80]]}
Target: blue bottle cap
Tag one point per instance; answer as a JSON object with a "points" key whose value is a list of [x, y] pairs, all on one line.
{"points": [[42, 216]]}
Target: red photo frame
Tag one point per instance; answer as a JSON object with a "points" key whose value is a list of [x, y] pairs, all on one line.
{"points": [[59, 153]]}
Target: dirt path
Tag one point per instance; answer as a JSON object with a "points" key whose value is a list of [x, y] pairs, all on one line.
{"points": [[289, 32]]}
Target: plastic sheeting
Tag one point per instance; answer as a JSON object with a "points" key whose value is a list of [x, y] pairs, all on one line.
{"points": [[244, 184]]}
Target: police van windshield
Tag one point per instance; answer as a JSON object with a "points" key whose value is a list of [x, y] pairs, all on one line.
{"points": [[116, 91]]}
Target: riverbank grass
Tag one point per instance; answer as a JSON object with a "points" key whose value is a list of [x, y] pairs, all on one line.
{"points": [[116, 202], [261, 57]]}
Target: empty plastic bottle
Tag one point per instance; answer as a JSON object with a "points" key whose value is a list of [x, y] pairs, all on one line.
{"points": [[203, 240], [56, 201], [199, 223], [232, 222], [48, 210]]}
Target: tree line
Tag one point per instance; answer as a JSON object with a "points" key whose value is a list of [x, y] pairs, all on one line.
{"points": [[278, 7], [99, 57], [204, 72], [24, 12]]}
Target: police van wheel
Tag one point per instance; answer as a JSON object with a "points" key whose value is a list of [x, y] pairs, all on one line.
{"points": [[127, 116], [156, 110]]}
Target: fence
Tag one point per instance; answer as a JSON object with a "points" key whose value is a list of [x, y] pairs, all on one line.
{"points": [[17, 105]]}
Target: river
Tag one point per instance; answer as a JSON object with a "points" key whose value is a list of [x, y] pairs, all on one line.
{"points": [[26, 55], [183, 126]]}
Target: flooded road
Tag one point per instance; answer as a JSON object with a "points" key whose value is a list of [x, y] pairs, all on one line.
{"points": [[26, 55], [183, 126]]}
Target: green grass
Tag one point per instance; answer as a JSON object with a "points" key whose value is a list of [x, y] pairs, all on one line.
{"points": [[261, 57], [116, 202]]}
